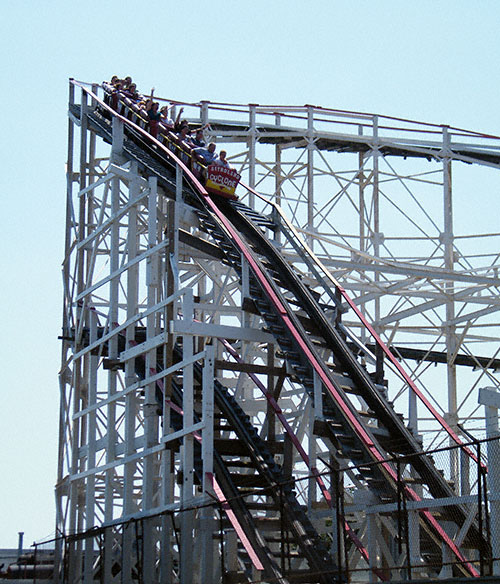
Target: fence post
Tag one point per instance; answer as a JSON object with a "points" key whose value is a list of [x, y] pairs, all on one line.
{"points": [[490, 398], [480, 504]]}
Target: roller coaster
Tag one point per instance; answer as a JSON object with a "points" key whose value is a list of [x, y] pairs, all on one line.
{"points": [[228, 411]]}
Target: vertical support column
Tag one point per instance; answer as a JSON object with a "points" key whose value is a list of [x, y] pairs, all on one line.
{"points": [[310, 175], [252, 140], [167, 475], [204, 112], [493, 449], [78, 366], [413, 516], [318, 396], [187, 516], [490, 398], [378, 238], [270, 415], [64, 414], [245, 292], [450, 329], [207, 455], [465, 486], [114, 290], [82, 210], [129, 504], [447, 555], [150, 404], [91, 174], [91, 456], [231, 551], [362, 212], [178, 183], [376, 235], [372, 544], [88, 422], [361, 188], [335, 508], [311, 483], [278, 182], [245, 279]]}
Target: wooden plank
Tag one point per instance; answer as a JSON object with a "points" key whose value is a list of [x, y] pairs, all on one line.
{"points": [[249, 368]]}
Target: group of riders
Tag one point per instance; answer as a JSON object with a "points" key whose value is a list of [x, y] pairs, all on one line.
{"points": [[189, 142]]}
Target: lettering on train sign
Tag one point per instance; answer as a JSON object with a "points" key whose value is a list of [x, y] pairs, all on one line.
{"points": [[222, 181]]}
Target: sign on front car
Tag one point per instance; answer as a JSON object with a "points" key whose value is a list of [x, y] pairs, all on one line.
{"points": [[222, 181]]}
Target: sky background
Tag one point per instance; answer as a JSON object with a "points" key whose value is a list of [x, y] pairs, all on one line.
{"points": [[435, 61]]}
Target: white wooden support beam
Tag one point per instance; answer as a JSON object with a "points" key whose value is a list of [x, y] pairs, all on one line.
{"points": [[93, 362], [207, 522], [185, 431], [150, 466], [310, 174], [490, 398], [311, 483], [187, 450], [128, 174], [372, 547], [220, 331], [252, 141], [208, 414], [131, 406]]}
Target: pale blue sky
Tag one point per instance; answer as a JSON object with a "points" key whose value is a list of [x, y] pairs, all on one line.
{"points": [[433, 61]]}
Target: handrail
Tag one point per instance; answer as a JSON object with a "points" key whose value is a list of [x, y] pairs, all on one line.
{"points": [[270, 109], [287, 111], [313, 359]]}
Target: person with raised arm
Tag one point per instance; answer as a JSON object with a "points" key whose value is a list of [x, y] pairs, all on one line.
{"points": [[165, 117], [198, 141]]}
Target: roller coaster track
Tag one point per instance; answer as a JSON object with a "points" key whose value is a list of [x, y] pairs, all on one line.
{"points": [[305, 328], [346, 430]]}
